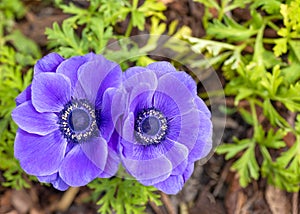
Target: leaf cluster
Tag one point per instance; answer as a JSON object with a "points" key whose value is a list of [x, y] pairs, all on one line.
{"points": [[122, 195], [90, 29], [258, 76], [16, 53]]}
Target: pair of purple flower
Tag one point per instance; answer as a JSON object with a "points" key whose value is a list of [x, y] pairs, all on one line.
{"points": [[82, 116]]}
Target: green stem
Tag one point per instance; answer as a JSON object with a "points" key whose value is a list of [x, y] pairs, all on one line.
{"points": [[269, 41], [129, 29], [135, 4], [254, 115], [273, 26], [130, 25]]}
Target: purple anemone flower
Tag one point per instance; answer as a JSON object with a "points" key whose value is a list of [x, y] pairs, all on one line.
{"points": [[166, 127], [66, 130]]}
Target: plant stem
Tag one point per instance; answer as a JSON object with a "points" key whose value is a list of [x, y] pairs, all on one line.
{"points": [[129, 28], [254, 116], [130, 25]]}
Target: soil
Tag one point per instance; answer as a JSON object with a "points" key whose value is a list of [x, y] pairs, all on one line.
{"points": [[213, 187]]}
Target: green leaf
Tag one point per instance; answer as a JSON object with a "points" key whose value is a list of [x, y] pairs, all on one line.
{"points": [[270, 6], [271, 82], [295, 45], [280, 46], [230, 30], [213, 47], [291, 73], [247, 166], [246, 115], [232, 150], [243, 93], [209, 4], [24, 45], [290, 97], [278, 175], [274, 139], [138, 19], [153, 8], [122, 195]]}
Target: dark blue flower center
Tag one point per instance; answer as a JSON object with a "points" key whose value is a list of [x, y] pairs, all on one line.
{"points": [[151, 126], [77, 121]]}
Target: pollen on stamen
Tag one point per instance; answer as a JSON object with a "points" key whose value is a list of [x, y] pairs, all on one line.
{"points": [[151, 126]]}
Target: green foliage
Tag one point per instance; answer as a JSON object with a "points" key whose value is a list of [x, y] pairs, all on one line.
{"points": [[230, 29], [291, 30], [122, 195], [99, 23], [9, 11], [12, 82], [268, 83], [16, 53]]}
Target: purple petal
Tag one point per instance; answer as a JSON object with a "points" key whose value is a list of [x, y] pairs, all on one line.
{"points": [[127, 132], [180, 168], [70, 68], [113, 79], [48, 178], [76, 169], [92, 56], [50, 92], [166, 105], [143, 168], [202, 107], [113, 159], [132, 71], [59, 184], [113, 143], [142, 101], [177, 91], [39, 155], [92, 76], [112, 165], [48, 63], [135, 76], [78, 92], [174, 128], [187, 80], [188, 172], [106, 124], [177, 153], [171, 185], [161, 68], [153, 163], [118, 107], [96, 151], [24, 96], [189, 128], [203, 143], [200, 150], [55, 180], [34, 122], [151, 182]]}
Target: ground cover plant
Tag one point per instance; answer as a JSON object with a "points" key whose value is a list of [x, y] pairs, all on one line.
{"points": [[258, 73], [256, 55]]}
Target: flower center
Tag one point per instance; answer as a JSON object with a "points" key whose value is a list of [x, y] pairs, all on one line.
{"points": [[151, 126], [77, 121]]}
